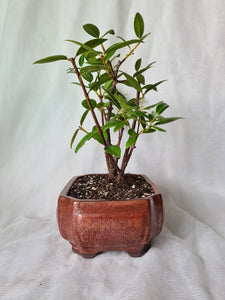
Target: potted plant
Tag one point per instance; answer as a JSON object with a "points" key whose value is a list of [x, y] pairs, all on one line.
{"points": [[114, 211]]}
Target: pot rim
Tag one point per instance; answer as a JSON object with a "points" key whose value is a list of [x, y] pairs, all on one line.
{"points": [[68, 185]]}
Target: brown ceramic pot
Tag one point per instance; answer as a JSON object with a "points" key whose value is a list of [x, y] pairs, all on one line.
{"points": [[94, 226]]}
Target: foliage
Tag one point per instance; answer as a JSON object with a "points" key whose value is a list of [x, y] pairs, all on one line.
{"points": [[98, 71]]}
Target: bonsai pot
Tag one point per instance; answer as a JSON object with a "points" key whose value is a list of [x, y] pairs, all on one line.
{"points": [[93, 226]]}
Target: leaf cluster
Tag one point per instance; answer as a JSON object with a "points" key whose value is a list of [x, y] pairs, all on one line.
{"points": [[98, 69]]}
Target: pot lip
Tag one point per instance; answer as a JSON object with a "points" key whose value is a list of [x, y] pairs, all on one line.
{"points": [[65, 190]]}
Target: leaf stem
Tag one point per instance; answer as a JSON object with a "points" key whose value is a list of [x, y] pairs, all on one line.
{"points": [[149, 127], [81, 128], [128, 124], [103, 48], [106, 67]]}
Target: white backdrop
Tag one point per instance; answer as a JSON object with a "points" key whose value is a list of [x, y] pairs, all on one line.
{"points": [[40, 110]]}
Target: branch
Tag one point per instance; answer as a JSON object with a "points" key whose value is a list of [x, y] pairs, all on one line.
{"points": [[128, 152], [72, 60], [131, 51], [88, 100], [119, 139], [103, 116], [120, 62], [120, 136], [137, 102]]}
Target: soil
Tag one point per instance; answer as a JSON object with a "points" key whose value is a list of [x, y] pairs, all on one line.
{"points": [[101, 187]]}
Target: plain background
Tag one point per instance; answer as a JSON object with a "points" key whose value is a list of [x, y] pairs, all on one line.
{"points": [[40, 110]]}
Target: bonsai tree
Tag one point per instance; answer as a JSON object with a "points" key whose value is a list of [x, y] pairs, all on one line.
{"points": [[116, 117]]}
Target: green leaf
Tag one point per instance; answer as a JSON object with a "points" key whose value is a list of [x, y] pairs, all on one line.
{"points": [[138, 25], [110, 124], [111, 31], [87, 137], [156, 115], [150, 130], [112, 98], [90, 44], [130, 141], [96, 62], [85, 104], [90, 55], [142, 121], [108, 84], [114, 124], [153, 105], [101, 80], [119, 125], [120, 37], [70, 70], [102, 104], [144, 36], [166, 120], [139, 113], [132, 102], [73, 138], [92, 30], [88, 77], [118, 55], [150, 87], [141, 78], [158, 128], [90, 69], [50, 59], [98, 137], [84, 48], [132, 82], [138, 64], [150, 117], [114, 150], [119, 96], [161, 107], [81, 60], [109, 55], [144, 69], [132, 133], [124, 105], [79, 84], [84, 116], [121, 45]]}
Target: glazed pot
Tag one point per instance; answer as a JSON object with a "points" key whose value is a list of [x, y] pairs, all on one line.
{"points": [[94, 226]]}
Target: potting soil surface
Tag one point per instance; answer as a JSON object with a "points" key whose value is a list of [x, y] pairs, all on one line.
{"points": [[99, 186]]}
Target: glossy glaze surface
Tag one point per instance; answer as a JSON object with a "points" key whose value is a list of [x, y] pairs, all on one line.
{"points": [[93, 226]]}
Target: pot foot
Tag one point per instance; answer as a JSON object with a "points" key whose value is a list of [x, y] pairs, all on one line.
{"points": [[85, 255], [140, 252]]}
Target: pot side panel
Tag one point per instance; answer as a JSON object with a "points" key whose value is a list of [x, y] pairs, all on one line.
{"points": [[112, 223], [64, 213], [156, 211]]}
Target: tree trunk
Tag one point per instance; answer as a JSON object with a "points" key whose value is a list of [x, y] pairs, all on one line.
{"points": [[112, 170]]}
